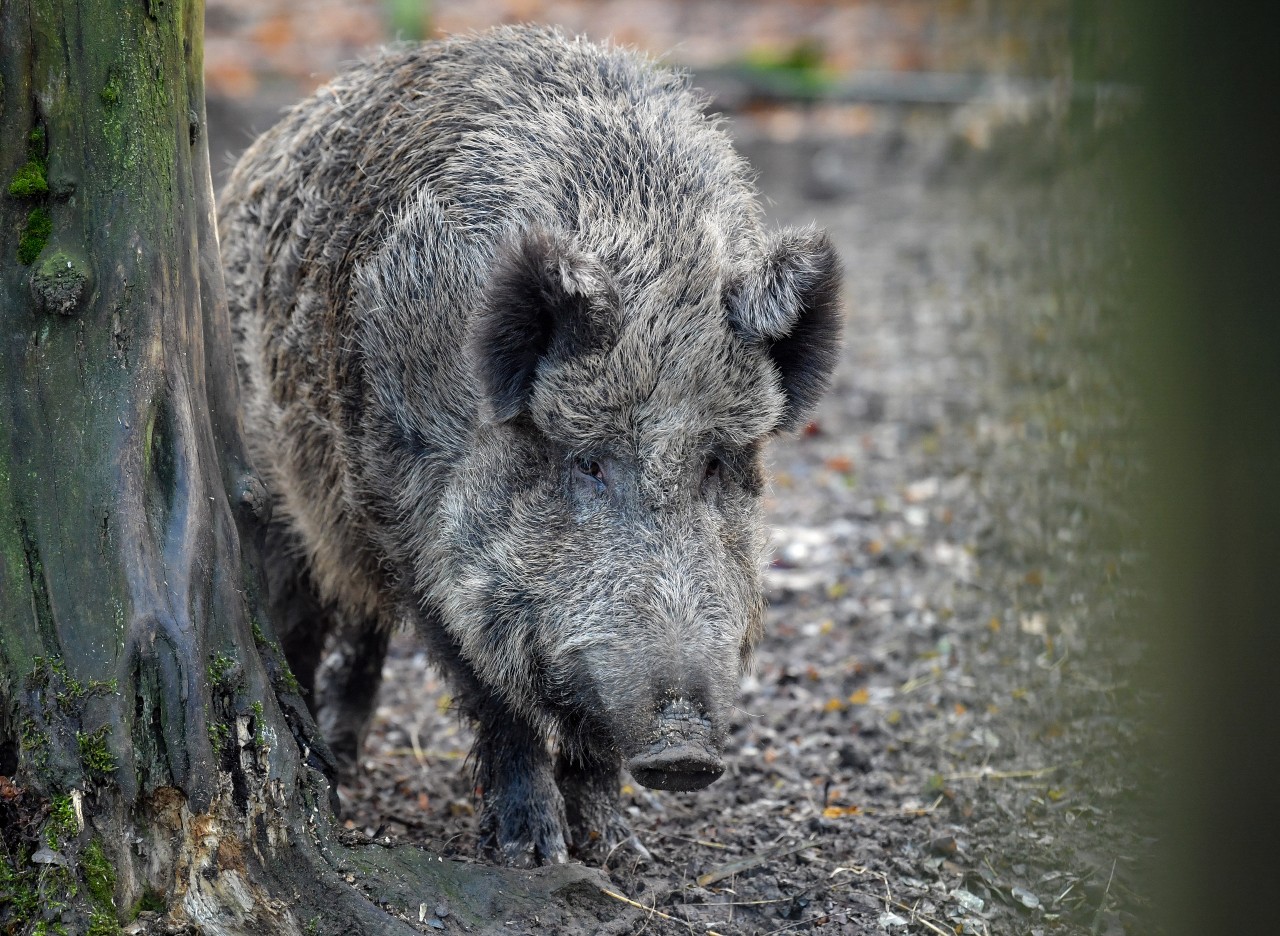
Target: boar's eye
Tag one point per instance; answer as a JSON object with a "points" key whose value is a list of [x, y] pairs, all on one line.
{"points": [[712, 473], [590, 468]]}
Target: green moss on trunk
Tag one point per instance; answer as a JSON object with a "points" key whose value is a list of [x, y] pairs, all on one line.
{"points": [[29, 181], [35, 234]]}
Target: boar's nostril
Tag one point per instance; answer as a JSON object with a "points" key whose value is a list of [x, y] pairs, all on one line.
{"points": [[682, 767]]}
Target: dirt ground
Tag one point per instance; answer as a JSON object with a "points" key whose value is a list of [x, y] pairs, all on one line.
{"points": [[940, 734]]}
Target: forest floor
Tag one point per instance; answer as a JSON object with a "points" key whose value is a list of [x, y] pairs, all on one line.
{"points": [[941, 734]]}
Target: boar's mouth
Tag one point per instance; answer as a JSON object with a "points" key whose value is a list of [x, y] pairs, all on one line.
{"points": [[681, 756]]}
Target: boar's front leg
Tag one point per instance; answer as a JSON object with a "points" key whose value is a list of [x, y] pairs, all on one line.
{"points": [[522, 821], [350, 691], [589, 782]]}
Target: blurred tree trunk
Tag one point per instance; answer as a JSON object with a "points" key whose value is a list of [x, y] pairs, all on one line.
{"points": [[154, 753], [1204, 173]]}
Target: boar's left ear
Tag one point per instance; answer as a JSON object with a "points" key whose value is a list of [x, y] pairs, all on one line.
{"points": [[791, 306], [545, 300]]}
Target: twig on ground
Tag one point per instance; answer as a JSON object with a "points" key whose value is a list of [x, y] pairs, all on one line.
{"points": [[420, 757], [656, 912], [745, 864], [692, 841], [988, 774], [911, 685]]}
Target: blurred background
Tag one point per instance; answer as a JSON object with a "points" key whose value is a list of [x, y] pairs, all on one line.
{"points": [[853, 65]]}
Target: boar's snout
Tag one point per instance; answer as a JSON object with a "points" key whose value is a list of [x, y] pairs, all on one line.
{"points": [[682, 767], [681, 755]]}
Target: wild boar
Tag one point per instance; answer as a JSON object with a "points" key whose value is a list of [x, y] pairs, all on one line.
{"points": [[511, 337]]}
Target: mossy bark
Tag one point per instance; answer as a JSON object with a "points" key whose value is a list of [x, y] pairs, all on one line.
{"points": [[153, 749]]}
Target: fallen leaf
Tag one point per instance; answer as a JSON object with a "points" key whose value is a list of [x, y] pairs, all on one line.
{"points": [[1025, 897], [970, 901], [1034, 623], [919, 491]]}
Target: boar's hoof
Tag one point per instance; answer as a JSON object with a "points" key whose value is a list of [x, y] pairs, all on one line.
{"points": [[524, 834], [681, 767], [526, 855]]}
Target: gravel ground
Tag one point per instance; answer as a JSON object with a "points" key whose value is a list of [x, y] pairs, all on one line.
{"points": [[939, 736]]}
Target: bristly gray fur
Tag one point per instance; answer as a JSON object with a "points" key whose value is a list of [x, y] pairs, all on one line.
{"points": [[459, 274]]}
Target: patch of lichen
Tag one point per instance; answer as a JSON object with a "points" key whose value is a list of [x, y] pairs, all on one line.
{"points": [[112, 91], [138, 148], [34, 235]]}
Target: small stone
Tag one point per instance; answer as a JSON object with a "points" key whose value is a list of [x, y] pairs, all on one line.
{"points": [[852, 758], [944, 845], [46, 855]]}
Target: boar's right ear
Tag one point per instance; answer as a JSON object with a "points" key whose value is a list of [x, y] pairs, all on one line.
{"points": [[544, 300], [791, 306]]}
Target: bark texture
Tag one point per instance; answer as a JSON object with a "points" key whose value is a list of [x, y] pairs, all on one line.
{"points": [[154, 753]]}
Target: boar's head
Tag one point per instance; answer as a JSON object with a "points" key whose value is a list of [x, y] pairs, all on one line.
{"points": [[604, 533]]}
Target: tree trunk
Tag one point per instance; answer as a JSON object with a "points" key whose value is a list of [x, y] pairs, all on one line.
{"points": [[154, 753]]}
